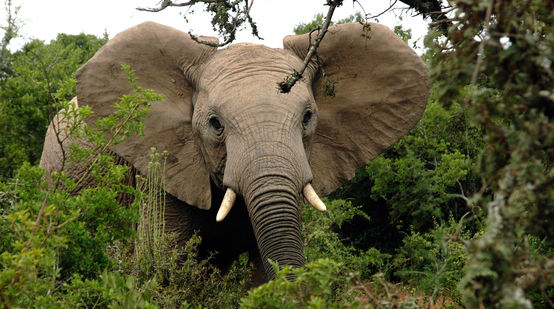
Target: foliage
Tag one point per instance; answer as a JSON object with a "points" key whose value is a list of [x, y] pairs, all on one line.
{"points": [[186, 281], [111, 290], [404, 34], [43, 76], [324, 284], [151, 206], [71, 233], [321, 239], [423, 176], [228, 17], [496, 58], [433, 262], [430, 261], [422, 180], [69, 236], [11, 31], [318, 20], [315, 286]]}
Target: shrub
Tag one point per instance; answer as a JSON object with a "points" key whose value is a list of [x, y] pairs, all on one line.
{"points": [[322, 240], [42, 78], [317, 285], [53, 232], [425, 177], [111, 290], [186, 281]]}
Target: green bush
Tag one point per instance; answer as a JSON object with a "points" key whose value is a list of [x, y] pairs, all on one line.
{"points": [[42, 78], [505, 79], [322, 240], [424, 178], [110, 290], [433, 262], [318, 19], [53, 232], [51, 236], [185, 280], [317, 285], [324, 283]]}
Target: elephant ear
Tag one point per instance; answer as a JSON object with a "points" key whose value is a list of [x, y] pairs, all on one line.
{"points": [[380, 92], [161, 57]]}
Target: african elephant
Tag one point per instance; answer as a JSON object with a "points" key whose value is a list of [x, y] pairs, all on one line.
{"points": [[234, 139]]}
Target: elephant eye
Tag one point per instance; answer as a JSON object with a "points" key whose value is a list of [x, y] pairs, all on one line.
{"points": [[214, 122], [307, 118]]}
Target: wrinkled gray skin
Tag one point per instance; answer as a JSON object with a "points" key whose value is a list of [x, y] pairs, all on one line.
{"points": [[256, 144], [259, 142], [262, 151]]}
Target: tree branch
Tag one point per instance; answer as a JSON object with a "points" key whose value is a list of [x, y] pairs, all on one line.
{"points": [[167, 3], [432, 9], [286, 85], [383, 12], [223, 21]]}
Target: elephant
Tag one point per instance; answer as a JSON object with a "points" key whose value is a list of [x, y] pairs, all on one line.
{"points": [[242, 156]]}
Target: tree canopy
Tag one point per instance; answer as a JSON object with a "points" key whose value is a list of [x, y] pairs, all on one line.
{"points": [[42, 76]]}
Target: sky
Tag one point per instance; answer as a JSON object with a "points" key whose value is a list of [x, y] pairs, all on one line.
{"points": [[275, 18]]}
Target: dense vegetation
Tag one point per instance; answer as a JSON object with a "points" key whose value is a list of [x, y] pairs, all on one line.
{"points": [[41, 76], [457, 213]]}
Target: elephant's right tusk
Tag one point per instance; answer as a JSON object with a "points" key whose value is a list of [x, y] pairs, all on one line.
{"points": [[313, 199], [226, 205]]}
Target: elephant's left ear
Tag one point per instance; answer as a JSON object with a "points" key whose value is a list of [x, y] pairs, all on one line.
{"points": [[167, 61], [380, 92]]}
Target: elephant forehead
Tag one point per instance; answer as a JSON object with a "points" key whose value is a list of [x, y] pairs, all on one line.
{"points": [[242, 61], [245, 75], [257, 90]]}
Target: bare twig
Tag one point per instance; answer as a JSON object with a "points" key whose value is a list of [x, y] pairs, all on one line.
{"points": [[105, 147], [432, 9], [225, 23], [480, 54], [286, 85], [146, 287], [383, 12], [57, 133], [168, 3]]}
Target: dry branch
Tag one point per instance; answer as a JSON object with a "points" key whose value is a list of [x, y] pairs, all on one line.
{"points": [[286, 85]]}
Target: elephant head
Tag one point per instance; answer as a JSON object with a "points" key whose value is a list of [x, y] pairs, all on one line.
{"points": [[227, 127]]}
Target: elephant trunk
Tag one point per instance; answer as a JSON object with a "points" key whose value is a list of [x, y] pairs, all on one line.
{"points": [[273, 205], [270, 174]]}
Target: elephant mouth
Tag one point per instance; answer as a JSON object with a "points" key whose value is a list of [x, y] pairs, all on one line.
{"points": [[230, 196]]}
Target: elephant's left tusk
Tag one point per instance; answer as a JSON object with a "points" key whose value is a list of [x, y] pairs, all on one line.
{"points": [[313, 199], [226, 205]]}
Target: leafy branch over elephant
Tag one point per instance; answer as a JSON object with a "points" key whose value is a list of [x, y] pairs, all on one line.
{"points": [[234, 140]]}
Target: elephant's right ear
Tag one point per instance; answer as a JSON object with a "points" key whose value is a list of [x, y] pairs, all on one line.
{"points": [[165, 60], [380, 92]]}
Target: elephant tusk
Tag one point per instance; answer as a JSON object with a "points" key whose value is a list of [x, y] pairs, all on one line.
{"points": [[313, 199], [226, 205]]}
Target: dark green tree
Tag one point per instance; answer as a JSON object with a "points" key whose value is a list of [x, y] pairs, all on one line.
{"points": [[320, 18], [11, 31], [497, 59], [43, 75]]}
